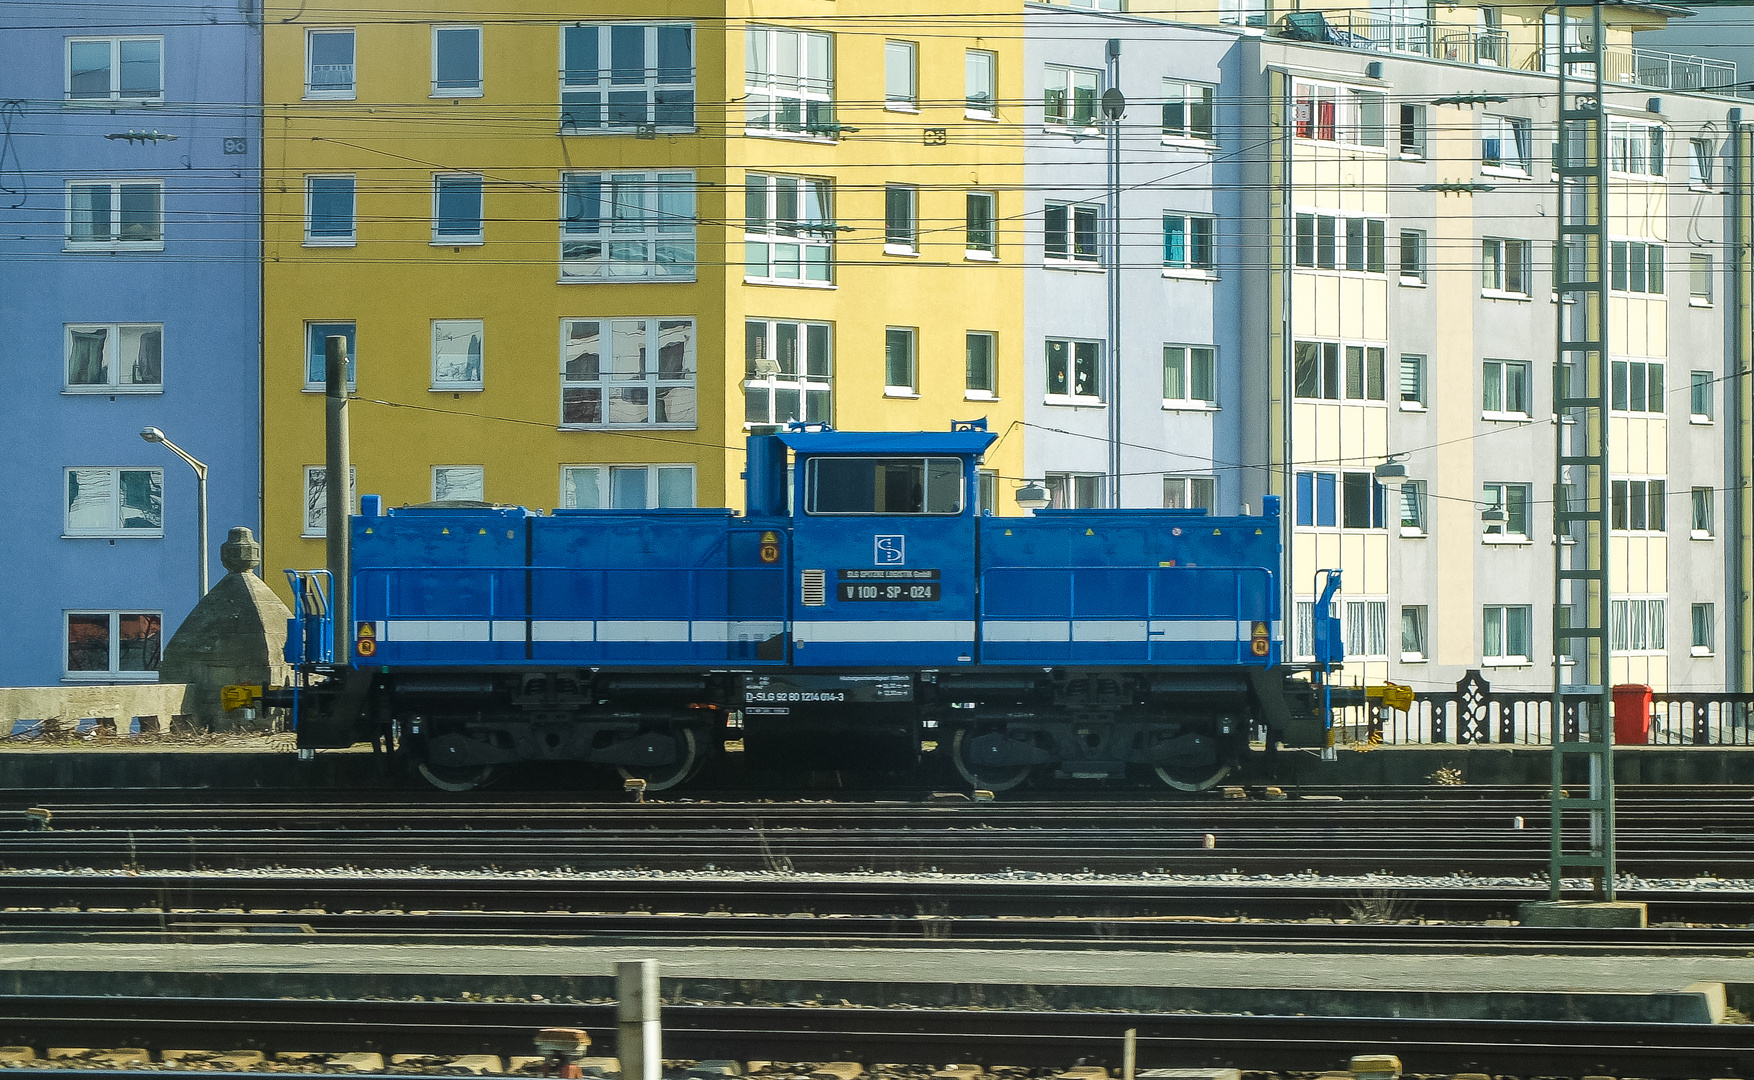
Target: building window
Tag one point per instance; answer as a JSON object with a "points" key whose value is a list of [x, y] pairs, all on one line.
{"points": [[787, 372], [981, 78], [329, 64], [456, 210], [982, 350], [125, 358], [115, 216], [317, 336], [329, 211], [1638, 506], [317, 498], [1504, 388], [788, 224], [1504, 145], [900, 75], [625, 226], [1513, 501], [1413, 508], [1701, 397], [980, 240], [1071, 233], [627, 373], [1699, 279], [115, 69], [1074, 491], [456, 354], [1188, 377], [456, 61], [1700, 163], [1413, 265], [1704, 525], [1347, 500], [987, 491], [1304, 616], [1504, 266], [1636, 386], [1412, 131], [1187, 110], [459, 483], [1338, 114], [1327, 370], [788, 82], [115, 502], [1638, 625], [1069, 96], [626, 487], [627, 76], [113, 643], [900, 222], [1415, 633], [1074, 369], [1704, 630], [1190, 493], [1505, 637], [1636, 267], [1412, 382], [1187, 242], [898, 362], [1367, 629], [1635, 148], [1331, 242]]}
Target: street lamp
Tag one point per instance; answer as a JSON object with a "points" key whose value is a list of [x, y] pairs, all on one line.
{"points": [[1032, 496], [154, 435]]}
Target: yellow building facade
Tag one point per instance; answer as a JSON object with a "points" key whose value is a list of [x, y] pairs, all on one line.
{"points": [[576, 261]]}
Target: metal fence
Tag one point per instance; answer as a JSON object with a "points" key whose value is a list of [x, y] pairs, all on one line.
{"points": [[1473, 714]]}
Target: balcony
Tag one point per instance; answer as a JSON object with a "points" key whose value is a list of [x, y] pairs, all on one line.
{"points": [[1387, 32]]}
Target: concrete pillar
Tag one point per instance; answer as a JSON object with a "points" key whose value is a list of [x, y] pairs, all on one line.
{"points": [[640, 1045]]}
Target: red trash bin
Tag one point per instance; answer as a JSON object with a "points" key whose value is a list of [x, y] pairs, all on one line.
{"points": [[1632, 714]]}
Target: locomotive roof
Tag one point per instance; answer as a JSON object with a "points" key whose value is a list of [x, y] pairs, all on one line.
{"points": [[971, 443]]}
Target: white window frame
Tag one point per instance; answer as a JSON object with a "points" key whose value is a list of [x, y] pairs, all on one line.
{"points": [[1365, 624], [1655, 284], [603, 83], [606, 472], [461, 91], [1064, 79], [1502, 411], [1501, 532], [1342, 355], [1413, 494], [461, 239], [1638, 625], [1187, 96], [1502, 612], [803, 235], [115, 242], [1496, 261], [1708, 647], [1074, 490], [893, 49], [1303, 627], [990, 252], [114, 672], [441, 327], [1073, 256], [809, 90], [1694, 297], [1421, 369], [1071, 396], [763, 375], [352, 91], [910, 389], [1625, 366], [1638, 498], [1422, 621], [316, 513], [1693, 505], [474, 475], [1620, 159], [1519, 133], [1352, 107], [1421, 271], [650, 380], [642, 194], [980, 102], [1710, 384], [1701, 167], [319, 386], [115, 69], [990, 392], [112, 363], [892, 240], [1187, 358], [1187, 491], [1338, 249], [114, 529], [352, 237], [1415, 150], [1191, 265]]}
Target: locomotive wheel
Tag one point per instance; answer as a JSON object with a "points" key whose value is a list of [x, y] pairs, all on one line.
{"points": [[1003, 779], [457, 777], [688, 761], [1197, 779]]}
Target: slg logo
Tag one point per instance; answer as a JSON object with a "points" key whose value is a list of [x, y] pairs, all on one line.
{"points": [[889, 550]]}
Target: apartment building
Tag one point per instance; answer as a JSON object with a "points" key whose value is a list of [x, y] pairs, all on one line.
{"points": [[129, 213], [576, 262]]}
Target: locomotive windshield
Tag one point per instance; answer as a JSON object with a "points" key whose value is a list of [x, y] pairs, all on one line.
{"points": [[884, 486]]}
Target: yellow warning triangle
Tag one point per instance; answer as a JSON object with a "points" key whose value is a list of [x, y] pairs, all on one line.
{"points": [[483, 532], [1007, 532], [1089, 532], [1217, 532], [1259, 533], [445, 532]]}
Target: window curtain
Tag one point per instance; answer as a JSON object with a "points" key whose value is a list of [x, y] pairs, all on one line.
{"points": [[85, 361]]}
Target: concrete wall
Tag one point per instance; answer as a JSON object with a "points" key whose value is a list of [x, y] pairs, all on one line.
{"points": [[73, 703]]}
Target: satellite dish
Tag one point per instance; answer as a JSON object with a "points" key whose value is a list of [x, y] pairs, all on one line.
{"points": [[1114, 103]]}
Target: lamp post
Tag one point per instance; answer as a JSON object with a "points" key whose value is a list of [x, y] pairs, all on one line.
{"points": [[153, 435], [1032, 497]]}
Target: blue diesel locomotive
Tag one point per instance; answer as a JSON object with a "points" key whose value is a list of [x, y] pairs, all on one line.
{"points": [[861, 607]]}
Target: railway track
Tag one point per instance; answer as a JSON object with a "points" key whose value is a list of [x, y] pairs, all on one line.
{"points": [[990, 1036]]}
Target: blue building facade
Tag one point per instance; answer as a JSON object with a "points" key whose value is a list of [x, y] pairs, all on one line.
{"points": [[130, 226]]}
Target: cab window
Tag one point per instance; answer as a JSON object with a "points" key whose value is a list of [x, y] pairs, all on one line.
{"points": [[884, 486]]}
